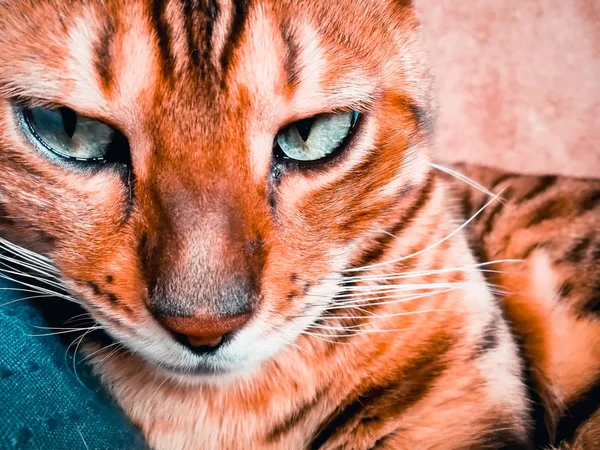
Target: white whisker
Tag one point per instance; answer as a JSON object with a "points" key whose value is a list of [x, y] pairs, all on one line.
{"points": [[40, 289], [462, 177], [351, 327], [119, 347], [33, 257], [379, 288], [79, 341], [22, 299], [378, 300], [448, 236], [79, 318], [26, 264], [417, 273], [65, 332], [28, 275]]}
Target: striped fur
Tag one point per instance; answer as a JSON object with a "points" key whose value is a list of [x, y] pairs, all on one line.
{"points": [[372, 325], [553, 296]]}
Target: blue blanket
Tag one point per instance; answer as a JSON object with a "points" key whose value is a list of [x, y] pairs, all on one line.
{"points": [[43, 404]]}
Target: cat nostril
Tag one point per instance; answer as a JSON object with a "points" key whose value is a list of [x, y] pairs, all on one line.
{"points": [[203, 333]]}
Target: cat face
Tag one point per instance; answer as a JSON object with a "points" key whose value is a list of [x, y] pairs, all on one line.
{"points": [[203, 175]]}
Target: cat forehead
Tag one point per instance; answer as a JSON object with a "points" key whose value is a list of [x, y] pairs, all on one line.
{"points": [[261, 63], [110, 41]]}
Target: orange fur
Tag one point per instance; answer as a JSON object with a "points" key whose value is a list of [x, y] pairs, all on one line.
{"points": [[371, 326]]}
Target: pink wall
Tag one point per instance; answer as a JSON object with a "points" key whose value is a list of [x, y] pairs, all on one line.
{"points": [[518, 82]]}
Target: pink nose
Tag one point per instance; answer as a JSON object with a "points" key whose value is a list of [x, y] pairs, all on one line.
{"points": [[204, 331]]}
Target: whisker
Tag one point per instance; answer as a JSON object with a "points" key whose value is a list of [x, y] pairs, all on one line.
{"points": [[408, 287], [79, 318], [60, 328], [462, 177], [33, 257], [340, 297], [323, 337], [40, 289], [79, 341], [119, 346], [417, 273], [290, 340], [389, 300], [75, 330], [350, 327], [22, 299], [27, 265], [29, 275], [356, 333], [158, 389], [448, 236]]}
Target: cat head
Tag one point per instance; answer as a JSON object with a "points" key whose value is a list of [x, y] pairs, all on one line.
{"points": [[202, 174]]}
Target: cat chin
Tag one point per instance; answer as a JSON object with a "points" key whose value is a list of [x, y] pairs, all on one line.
{"points": [[203, 375]]}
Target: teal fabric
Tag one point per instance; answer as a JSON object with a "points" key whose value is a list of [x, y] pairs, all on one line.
{"points": [[43, 405]]}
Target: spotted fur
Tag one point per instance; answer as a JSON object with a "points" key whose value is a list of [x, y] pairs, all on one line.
{"points": [[372, 325]]}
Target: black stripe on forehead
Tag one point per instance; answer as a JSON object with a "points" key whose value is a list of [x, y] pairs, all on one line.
{"points": [[190, 21], [290, 62], [212, 12], [163, 36], [103, 53], [234, 34], [199, 18]]}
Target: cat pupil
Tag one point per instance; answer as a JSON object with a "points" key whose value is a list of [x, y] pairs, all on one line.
{"points": [[304, 126], [69, 118]]}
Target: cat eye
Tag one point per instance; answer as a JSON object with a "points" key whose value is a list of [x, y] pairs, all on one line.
{"points": [[315, 138], [67, 134]]}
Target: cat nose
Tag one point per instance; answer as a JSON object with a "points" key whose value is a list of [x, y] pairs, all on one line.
{"points": [[205, 332]]}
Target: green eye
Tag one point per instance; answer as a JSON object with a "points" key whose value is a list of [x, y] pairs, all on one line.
{"points": [[317, 137], [67, 134]]}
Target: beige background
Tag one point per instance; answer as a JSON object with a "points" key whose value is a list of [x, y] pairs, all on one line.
{"points": [[518, 82]]}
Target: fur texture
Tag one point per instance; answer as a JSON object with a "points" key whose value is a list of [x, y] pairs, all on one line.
{"points": [[372, 324]]}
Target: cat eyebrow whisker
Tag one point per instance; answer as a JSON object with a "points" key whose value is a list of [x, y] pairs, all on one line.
{"points": [[464, 178]]}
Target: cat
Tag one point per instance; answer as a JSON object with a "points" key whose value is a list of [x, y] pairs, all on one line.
{"points": [[241, 194]]}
